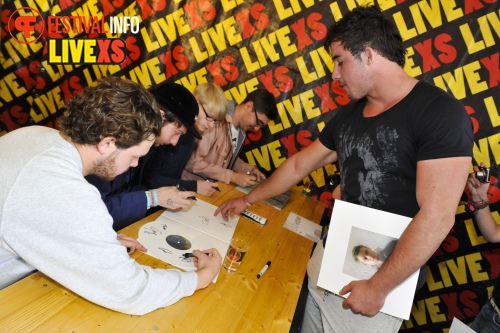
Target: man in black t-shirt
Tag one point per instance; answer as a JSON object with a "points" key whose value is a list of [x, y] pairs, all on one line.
{"points": [[403, 147]]}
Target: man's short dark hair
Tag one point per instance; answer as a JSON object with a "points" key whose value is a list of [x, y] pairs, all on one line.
{"points": [[355, 251], [264, 103], [368, 27], [115, 107]]}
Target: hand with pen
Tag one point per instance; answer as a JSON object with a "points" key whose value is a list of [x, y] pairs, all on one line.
{"points": [[206, 188], [208, 263], [173, 199]]}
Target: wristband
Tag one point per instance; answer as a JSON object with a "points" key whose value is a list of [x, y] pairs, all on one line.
{"points": [[148, 198], [474, 206], [246, 201], [155, 197]]}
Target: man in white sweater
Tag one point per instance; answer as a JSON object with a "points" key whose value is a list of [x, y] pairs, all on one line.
{"points": [[54, 221]]}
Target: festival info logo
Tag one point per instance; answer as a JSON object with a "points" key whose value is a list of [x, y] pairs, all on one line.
{"points": [[26, 25], [73, 50]]}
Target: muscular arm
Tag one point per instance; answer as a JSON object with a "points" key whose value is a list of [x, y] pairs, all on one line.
{"points": [[438, 199], [288, 174]]}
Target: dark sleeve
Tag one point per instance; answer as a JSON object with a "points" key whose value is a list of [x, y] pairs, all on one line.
{"points": [[166, 163], [326, 135], [443, 129], [125, 207]]}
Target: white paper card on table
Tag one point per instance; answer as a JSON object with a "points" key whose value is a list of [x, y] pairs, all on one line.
{"points": [[174, 233], [352, 225], [303, 227], [458, 327]]}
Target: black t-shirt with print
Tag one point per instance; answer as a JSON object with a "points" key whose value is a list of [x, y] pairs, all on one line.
{"points": [[378, 156]]}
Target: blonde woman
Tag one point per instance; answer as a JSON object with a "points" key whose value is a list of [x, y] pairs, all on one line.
{"points": [[166, 163], [216, 154]]}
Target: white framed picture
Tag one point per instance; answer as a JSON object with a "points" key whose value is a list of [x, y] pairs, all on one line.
{"points": [[359, 240]]}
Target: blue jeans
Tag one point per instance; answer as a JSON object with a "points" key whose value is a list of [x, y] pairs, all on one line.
{"points": [[487, 320]]}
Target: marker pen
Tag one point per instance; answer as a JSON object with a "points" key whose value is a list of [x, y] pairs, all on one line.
{"points": [[264, 269], [190, 255], [210, 181], [180, 188]]}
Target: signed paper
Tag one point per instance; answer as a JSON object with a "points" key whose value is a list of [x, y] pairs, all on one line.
{"points": [[354, 225], [174, 233]]}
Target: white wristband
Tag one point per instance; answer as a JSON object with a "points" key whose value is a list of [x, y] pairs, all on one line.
{"points": [[148, 198]]}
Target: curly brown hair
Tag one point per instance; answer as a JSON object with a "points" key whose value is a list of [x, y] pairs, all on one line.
{"points": [[115, 107]]}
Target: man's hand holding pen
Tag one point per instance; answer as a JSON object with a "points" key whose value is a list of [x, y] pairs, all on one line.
{"points": [[208, 263], [180, 188], [173, 199]]}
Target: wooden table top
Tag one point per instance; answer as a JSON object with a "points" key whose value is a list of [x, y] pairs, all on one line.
{"points": [[237, 302]]}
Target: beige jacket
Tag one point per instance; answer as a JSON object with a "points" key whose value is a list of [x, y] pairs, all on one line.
{"points": [[212, 154]]}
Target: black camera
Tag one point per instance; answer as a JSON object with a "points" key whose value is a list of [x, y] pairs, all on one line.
{"points": [[483, 175]]}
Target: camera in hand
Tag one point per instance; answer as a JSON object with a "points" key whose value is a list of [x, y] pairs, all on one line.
{"points": [[483, 175]]}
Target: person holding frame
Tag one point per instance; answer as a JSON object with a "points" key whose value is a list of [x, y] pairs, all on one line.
{"points": [[402, 146]]}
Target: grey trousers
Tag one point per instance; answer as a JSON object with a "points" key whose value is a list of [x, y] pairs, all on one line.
{"points": [[327, 314]]}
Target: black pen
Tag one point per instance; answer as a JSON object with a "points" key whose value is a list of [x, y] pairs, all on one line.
{"points": [[190, 255], [180, 188], [264, 269], [210, 181]]}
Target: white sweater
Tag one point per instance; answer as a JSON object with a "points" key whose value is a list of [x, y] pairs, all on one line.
{"points": [[52, 220]]}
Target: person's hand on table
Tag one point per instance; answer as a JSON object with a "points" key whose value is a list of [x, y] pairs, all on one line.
{"points": [[208, 266], [259, 175], [364, 298], [130, 243], [206, 188], [173, 199], [231, 207], [243, 179]]}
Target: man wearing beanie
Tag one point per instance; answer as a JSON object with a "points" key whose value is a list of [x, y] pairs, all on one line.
{"points": [[127, 200]]}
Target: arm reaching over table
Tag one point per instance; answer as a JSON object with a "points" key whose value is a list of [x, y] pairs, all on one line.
{"points": [[292, 171]]}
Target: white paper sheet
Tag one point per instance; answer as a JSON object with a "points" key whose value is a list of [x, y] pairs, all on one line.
{"points": [[303, 227], [353, 225], [458, 327]]}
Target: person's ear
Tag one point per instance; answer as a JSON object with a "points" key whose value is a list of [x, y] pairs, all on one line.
{"points": [[162, 114], [249, 106], [369, 55], [107, 145]]}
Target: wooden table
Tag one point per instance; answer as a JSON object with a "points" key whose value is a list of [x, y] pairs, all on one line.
{"points": [[238, 302]]}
